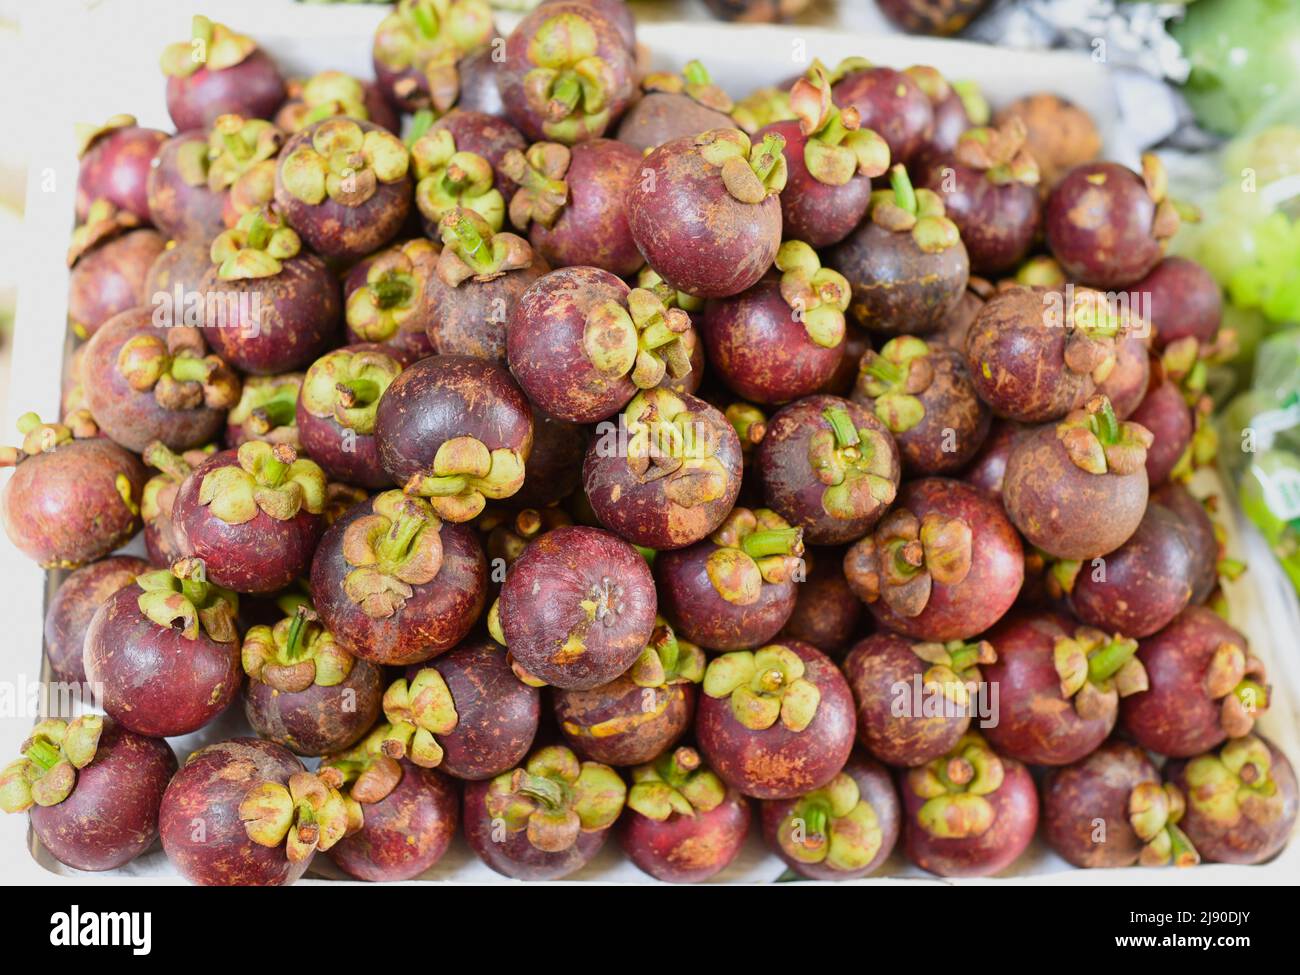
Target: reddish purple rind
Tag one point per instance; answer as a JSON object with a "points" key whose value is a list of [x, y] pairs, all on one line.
{"points": [[819, 214], [131, 417], [111, 279], [777, 763], [406, 832], [826, 613], [323, 438], [1130, 378], [432, 621], [1035, 722], [897, 287], [155, 681], [512, 854], [1148, 580], [374, 102], [1166, 414], [478, 83], [1063, 509], [950, 121], [1183, 300], [760, 349], [1176, 716], [1061, 134], [845, 375], [880, 669], [409, 343], [544, 344], [116, 168], [1102, 234], [111, 815], [202, 833], [617, 12], [890, 103], [875, 788], [700, 613], [1201, 538], [541, 606], [789, 483], [63, 509], [484, 134], [318, 720], [989, 465], [939, 18], [472, 318], [496, 713], [73, 606], [263, 554], [181, 265], [1085, 806], [1015, 817], [998, 222], [252, 88], [661, 116], [1246, 841], [555, 466], [655, 717], [179, 210], [687, 849], [696, 235]]}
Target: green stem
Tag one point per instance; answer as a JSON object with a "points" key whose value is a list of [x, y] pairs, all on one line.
{"points": [[1107, 661], [834, 131], [471, 241], [679, 765], [773, 541], [425, 18], [293, 645], [769, 153], [566, 92], [43, 754], [696, 73], [546, 791], [1107, 424], [273, 471], [186, 369], [887, 372], [396, 543], [904, 194], [421, 122], [846, 435], [964, 656], [259, 232], [391, 291], [816, 816], [278, 412], [1253, 694], [158, 455], [656, 334], [357, 392]]}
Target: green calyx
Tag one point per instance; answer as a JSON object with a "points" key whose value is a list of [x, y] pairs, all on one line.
{"points": [[256, 247], [640, 338], [176, 369], [267, 478], [1235, 783], [554, 798], [305, 815], [1154, 811], [761, 108], [817, 295], [430, 36], [448, 179], [393, 292], [1001, 154], [954, 667], [1236, 679], [855, 465], [894, 378], [764, 685], [955, 787], [103, 222], [1169, 214], [667, 660], [267, 408], [920, 212], [346, 385], [160, 490], [472, 249], [1095, 323], [182, 599], [675, 446], [395, 547], [295, 653], [751, 173], [902, 560], [211, 45], [1040, 271], [88, 134], [366, 772], [749, 423], [236, 145], [1096, 441], [417, 710], [836, 147], [344, 162], [571, 85], [465, 475], [834, 826], [41, 438], [52, 755], [543, 192], [649, 279], [324, 95], [1096, 671], [675, 784], [694, 82], [753, 548]]}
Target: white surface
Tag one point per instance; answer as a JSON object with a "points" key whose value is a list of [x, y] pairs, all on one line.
{"points": [[118, 51]]}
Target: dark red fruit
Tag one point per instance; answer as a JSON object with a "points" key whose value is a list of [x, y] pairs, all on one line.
{"points": [[1110, 810], [735, 590], [73, 606], [1204, 686], [73, 496], [675, 105], [842, 831], [829, 467], [887, 101], [266, 411], [159, 498], [706, 213], [578, 607], [1241, 801], [177, 271], [489, 136], [336, 412], [617, 12], [683, 824], [906, 263], [115, 161], [110, 262], [989, 465], [244, 812], [1078, 489], [956, 105], [1107, 225], [253, 515], [1202, 537], [547, 818], [777, 722], [1182, 300], [394, 583], [1061, 134], [478, 84], [1059, 687], [181, 203], [939, 18], [418, 47], [329, 93], [944, 564], [1131, 376], [1166, 414], [555, 465], [166, 651], [826, 613], [218, 72], [969, 813], [91, 789], [449, 176], [386, 300]]}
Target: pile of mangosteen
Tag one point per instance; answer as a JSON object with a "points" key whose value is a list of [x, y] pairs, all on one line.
{"points": [[538, 445]]}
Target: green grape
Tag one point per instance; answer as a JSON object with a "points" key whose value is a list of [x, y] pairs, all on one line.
{"points": [[1272, 153]]}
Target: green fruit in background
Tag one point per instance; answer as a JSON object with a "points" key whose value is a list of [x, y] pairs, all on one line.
{"points": [[1270, 497]]}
